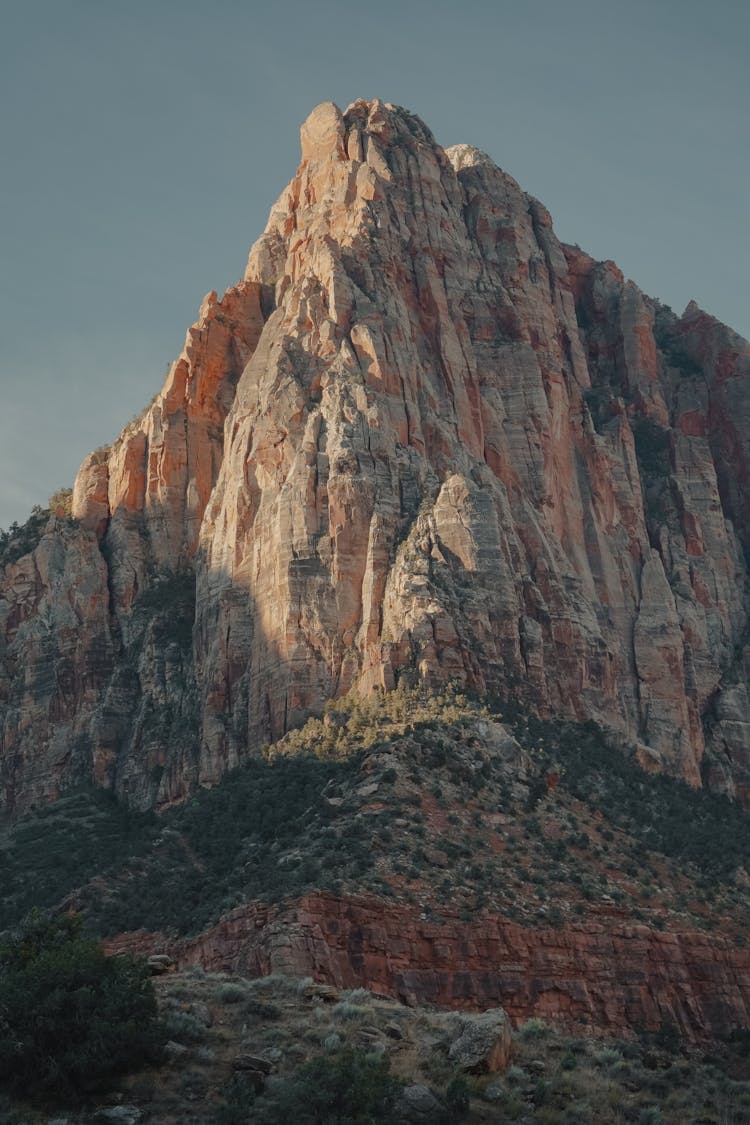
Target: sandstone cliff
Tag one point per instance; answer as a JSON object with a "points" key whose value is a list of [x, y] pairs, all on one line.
{"points": [[421, 438], [603, 975]]}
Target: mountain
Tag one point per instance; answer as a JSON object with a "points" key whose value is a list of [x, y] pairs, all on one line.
{"points": [[421, 441], [396, 657]]}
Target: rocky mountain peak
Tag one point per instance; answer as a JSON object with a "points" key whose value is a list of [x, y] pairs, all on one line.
{"points": [[467, 156], [420, 440]]}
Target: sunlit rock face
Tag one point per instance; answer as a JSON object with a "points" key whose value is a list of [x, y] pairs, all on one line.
{"points": [[421, 438]]}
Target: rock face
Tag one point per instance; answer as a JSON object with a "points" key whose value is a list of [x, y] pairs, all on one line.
{"points": [[607, 976], [484, 1044], [96, 664], [421, 438]]}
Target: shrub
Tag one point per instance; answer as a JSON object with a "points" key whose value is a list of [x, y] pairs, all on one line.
{"points": [[232, 994], [349, 1012], [608, 1057], [238, 1101], [348, 1086], [60, 502], [262, 1010], [70, 1017], [457, 1097], [534, 1028], [650, 1115], [185, 1027]]}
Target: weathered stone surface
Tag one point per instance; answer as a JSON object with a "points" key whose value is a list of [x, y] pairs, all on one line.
{"points": [[96, 676], [484, 1043], [57, 654], [599, 975], [439, 473], [252, 1063], [418, 1103], [420, 437], [90, 504], [175, 1052]]}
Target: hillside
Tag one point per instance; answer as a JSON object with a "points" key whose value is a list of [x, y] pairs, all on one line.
{"points": [[301, 1033], [382, 874], [419, 846]]}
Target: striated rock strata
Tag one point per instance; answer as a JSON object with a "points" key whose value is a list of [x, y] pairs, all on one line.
{"points": [[605, 976], [422, 438]]}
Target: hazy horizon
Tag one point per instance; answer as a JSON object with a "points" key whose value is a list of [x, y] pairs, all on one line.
{"points": [[145, 145]]}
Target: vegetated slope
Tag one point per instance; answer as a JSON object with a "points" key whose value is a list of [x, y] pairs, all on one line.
{"points": [[454, 823], [314, 1039], [430, 797], [421, 438]]}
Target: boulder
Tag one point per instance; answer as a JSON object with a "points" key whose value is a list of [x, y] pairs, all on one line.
{"points": [[418, 1103], [484, 1042], [252, 1062]]}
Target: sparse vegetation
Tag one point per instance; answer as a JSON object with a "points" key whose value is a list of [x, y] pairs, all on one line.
{"points": [[48, 854], [666, 816], [21, 539], [419, 796], [60, 502], [264, 832], [348, 804], [349, 1086], [323, 1070], [652, 447]]}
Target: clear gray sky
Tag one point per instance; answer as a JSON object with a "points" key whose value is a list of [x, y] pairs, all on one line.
{"points": [[143, 142]]}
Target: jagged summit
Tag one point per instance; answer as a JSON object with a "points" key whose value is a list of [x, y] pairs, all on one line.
{"points": [[420, 440], [467, 156]]}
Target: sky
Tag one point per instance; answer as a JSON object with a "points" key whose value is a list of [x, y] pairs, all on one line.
{"points": [[143, 142]]}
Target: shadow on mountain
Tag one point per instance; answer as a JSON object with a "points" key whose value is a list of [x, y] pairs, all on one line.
{"points": [[99, 682]]}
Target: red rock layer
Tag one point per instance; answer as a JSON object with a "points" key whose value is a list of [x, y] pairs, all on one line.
{"points": [[605, 975]]}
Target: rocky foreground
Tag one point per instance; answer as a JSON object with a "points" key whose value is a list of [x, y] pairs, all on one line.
{"points": [[253, 1050], [421, 438]]}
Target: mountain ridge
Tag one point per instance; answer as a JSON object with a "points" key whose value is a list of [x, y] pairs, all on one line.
{"points": [[421, 439]]}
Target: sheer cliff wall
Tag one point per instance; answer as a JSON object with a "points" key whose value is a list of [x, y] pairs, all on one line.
{"points": [[421, 437]]}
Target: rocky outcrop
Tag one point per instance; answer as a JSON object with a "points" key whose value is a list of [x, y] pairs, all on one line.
{"points": [[484, 1043], [601, 975], [57, 657], [421, 438], [463, 451], [96, 666]]}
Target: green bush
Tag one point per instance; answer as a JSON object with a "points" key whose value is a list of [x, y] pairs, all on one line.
{"points": [[534, 1028], [345, 1088], [458, 1097], [238, 1101], [71, 1018], [53, 851]]}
